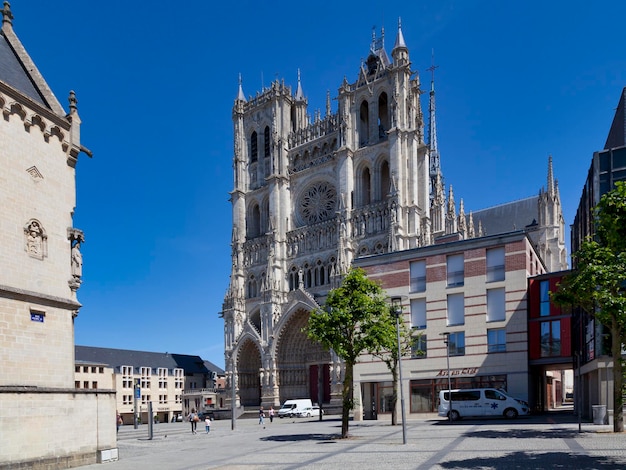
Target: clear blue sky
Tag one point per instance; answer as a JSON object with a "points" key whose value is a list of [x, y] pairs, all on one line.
{"points": [[517, 81]]}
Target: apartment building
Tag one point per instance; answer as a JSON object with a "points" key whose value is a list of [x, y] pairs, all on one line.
{"points": [[466, 302], [171, 383]]}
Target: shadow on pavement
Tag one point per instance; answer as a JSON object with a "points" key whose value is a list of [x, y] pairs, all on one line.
{"points": [[322, 438], [536, 461], [525, 434]]}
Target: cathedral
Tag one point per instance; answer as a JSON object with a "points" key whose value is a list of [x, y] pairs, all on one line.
{"points": [[312, 194]]}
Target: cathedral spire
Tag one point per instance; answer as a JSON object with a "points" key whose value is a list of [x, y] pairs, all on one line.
{"points": [[400, 37], [551, 184], [400, 53], [299, 93], [435, 165], [240, 95], [328, 112]]}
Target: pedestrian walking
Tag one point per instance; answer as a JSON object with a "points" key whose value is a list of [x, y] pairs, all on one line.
{"points": [[193, 419], [271, 413], [261, 416], [207, 424]]}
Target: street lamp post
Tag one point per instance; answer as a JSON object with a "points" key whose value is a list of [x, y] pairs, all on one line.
{"points": [[396, 303], [446, 339]]}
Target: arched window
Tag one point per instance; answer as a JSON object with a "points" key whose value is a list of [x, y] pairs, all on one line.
{"points": [[264, 223], [366, 186], [252, 288], [254, 152], [293, 278], [383, 116], [385, 182], [266, 142], [364, 123], [254, 222]]}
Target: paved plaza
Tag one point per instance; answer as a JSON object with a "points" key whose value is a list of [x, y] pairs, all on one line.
{"points": [[538, 442]]}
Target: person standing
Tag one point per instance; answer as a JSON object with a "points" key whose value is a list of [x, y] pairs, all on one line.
{"points": [[118, 420], [207, 424], [261, 416], [193, 419], [271, 414]]}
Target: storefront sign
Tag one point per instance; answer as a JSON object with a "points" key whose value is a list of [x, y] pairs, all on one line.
{"points": [[453, 372]]}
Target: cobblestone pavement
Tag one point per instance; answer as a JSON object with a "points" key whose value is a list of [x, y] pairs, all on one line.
{"points": [[539, 442]]}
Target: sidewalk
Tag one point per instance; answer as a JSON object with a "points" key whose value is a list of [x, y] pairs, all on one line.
{"points": [[432, 442]]}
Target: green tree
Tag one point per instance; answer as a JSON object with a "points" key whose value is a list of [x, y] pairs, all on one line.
{"points": [[599, 281], [387, 351], [349, 324]]}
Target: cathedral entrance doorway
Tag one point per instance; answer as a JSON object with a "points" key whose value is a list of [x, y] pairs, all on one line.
{"points": [[298, 360], [249, 382]]}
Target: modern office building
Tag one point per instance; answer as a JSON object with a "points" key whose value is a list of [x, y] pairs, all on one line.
{"points": [[591, 340]]}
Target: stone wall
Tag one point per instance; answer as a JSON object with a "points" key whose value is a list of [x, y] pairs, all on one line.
{"points": [[44, 428]]}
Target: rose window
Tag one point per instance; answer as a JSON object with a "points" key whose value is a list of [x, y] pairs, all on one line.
{"points": [[318, 203]]}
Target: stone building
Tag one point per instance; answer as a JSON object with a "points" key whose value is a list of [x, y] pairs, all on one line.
{"points": [[312, 194], [40, 273]]}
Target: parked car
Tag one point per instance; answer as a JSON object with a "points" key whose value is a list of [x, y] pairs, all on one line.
{"points": [[310, 411]]}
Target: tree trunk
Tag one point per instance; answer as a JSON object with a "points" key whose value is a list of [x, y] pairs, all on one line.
{"points": [[618, 377], [347, 398]]}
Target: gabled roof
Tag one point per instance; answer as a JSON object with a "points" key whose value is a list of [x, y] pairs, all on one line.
{"points": [[515, 215], [13, 74], [18, 71], [617, 133], [125, 357]]}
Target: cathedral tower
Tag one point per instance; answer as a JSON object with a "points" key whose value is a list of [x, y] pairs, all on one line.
{"points": [[309, 196]]}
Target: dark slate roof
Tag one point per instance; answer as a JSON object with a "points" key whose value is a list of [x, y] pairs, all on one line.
{"points": [[617, 133], [125, 357], [13, 73], [515, 215], [213, 368]]}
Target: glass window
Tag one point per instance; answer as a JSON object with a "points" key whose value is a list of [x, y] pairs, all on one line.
{"points": [[418, 347], [418, 276], [544, 298], [456, 343], [456, 309], [551, 338], [496, 304], [619, 158], [418, 313], [496, 340], [495, 264], [456, 270]]}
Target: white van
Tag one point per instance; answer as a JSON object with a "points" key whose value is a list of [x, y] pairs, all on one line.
{"points": [[480, 402], [293, 408]]}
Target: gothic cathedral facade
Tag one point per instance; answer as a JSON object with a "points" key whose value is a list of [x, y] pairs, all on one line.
{"points": [[310, 196]]}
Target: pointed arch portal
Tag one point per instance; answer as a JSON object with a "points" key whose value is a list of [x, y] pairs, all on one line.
{"points": [[302, 364], [248, 367]]}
